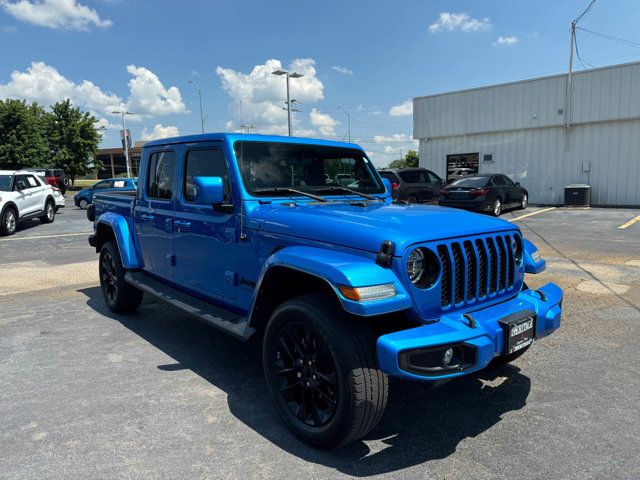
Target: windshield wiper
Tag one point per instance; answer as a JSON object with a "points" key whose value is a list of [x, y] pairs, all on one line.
{"points": [[289, 190], [345, 189]]}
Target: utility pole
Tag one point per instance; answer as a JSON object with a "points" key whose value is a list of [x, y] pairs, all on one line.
{"points": [[348, 121], [124, 136], [200, 97], [292, 75]]}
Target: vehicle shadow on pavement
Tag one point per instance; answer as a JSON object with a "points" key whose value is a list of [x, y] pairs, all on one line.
{"points": [[420, 424]]}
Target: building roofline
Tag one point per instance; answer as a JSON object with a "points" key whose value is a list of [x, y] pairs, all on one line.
{"points": [[526, 80]]}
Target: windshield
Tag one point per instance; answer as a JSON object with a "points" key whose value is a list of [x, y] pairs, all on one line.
{"points": [[470, 182], [306, 168], [5, 183]]}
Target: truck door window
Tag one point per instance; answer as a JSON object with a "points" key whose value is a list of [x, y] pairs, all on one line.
{"points": [[161, 174], [204, 163]]}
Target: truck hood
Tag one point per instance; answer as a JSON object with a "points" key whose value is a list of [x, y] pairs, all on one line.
{"points": [[366, 227]]}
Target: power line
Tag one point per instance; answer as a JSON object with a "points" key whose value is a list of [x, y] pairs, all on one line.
{"points": [[611, 37]]}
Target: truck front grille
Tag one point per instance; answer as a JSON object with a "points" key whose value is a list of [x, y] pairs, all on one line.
{"points": [[476, 269]]}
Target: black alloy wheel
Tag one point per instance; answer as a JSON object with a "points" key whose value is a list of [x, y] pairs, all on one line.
{"points": [[307, 374], [120, 296], [109, 277]]}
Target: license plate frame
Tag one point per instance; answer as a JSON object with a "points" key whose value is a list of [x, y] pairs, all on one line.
{"points": [[519, 330]]}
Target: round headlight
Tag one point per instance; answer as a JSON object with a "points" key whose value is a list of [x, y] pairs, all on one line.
{"points": [[415, 265], [423, 267], [516, 246]]}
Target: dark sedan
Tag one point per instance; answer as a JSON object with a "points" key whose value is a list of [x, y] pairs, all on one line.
{"points": [[488, 192]]}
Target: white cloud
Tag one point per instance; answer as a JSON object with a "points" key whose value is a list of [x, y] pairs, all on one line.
{"points": [[43, 83], [105, 124], [506, 41], [459, 21], [160, 131], [396, 137], [323, 122], [261, 96], [405, 108], [8, 29], [67, 14], [342, 70]]}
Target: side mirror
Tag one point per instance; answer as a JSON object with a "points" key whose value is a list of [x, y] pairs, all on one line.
{"points": [[517, 184], [209, 190]]}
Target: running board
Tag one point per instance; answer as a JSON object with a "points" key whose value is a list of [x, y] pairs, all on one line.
{"points": [[224, 320]]}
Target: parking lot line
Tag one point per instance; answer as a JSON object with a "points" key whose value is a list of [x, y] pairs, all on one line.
{"points": [[629, 223], [39, 237], [533, 213]]}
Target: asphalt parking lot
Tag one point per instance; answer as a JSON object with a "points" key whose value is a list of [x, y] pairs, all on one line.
{"points": [[85, 393]]}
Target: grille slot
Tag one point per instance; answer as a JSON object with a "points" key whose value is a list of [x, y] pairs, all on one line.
{"points": [[445, 297], [475, 269], [460, 272], [472, 271]]}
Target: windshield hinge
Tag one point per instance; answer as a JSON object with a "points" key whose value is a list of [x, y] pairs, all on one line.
{"points": [[385, 254]]}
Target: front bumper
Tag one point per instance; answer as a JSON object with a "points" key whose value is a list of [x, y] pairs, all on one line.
{"points": [[485, 338]]}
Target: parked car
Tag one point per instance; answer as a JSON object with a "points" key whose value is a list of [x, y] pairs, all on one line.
{"points": [[24, 196], [413, 185], [58, 197], [55, 177], [458, 172], [343, 286], [84, 197], [489, 192]]}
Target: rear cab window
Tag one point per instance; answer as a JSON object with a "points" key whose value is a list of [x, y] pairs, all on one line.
{"points": [[161, 174]]}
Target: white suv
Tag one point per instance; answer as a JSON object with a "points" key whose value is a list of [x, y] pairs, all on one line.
{"points": [[23, 196]]}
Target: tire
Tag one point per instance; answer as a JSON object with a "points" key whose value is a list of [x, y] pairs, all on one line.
{"points": [[8, 222], [412, 199], [119, 296], [496, 207], [524, 201], [333, 365], [65, 182], [83, 204], [49, 212]]}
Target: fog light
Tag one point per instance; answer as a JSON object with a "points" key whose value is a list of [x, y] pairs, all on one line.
{"points": [[447, 356]]}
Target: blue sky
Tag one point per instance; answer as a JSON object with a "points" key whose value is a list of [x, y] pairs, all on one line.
{"points": [[368, 57]]}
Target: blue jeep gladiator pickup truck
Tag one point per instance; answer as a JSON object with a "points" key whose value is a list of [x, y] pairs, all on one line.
{"points": [[298, 242]]}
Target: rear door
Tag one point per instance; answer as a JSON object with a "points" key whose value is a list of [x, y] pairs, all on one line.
{"points": [[154, 213], [415, 182], [205, 243]]}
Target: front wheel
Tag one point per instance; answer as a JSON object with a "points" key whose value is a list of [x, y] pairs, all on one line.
{"points": [[49, 212], [412, 199], [8, 222], [83, 204], [321, 370], [120, 296], [496, 207]]}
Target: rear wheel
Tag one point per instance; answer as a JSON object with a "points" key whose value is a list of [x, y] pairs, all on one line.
{"points": [[8, 222], [83, 204], [119, 296], [321, 371], [49, 212], [524, 201], [496, 207]]}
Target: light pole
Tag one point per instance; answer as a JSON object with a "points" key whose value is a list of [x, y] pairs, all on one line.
{"points": [[292, 75], [200, 98], [349, 122], [124, 136]]}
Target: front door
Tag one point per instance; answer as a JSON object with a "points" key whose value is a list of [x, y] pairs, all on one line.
{"points": [[205, 242], [154, 214]]}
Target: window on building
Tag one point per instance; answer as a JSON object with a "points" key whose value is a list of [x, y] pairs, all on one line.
{"points": [[205, 163], [487, 158], [161, 174]]}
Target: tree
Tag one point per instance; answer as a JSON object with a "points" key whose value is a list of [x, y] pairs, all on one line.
{"points": [[73, 138], [409, 160], [22, 135]]}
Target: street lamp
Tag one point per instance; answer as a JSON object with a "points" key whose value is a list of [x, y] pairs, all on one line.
{"points": [[124, 136], [200, 97], [348, 120], [289, 75]]}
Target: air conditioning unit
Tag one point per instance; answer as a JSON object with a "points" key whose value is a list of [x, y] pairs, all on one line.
{"points": [[577, 196]]}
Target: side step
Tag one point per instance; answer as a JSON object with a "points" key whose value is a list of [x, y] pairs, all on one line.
{"points": [[230, 323]]}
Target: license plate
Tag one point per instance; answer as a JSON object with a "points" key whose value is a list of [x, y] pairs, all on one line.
{"points": [[519, 332]]}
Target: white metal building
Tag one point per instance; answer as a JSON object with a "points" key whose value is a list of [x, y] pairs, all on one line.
{"points": [[535, 133]]}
